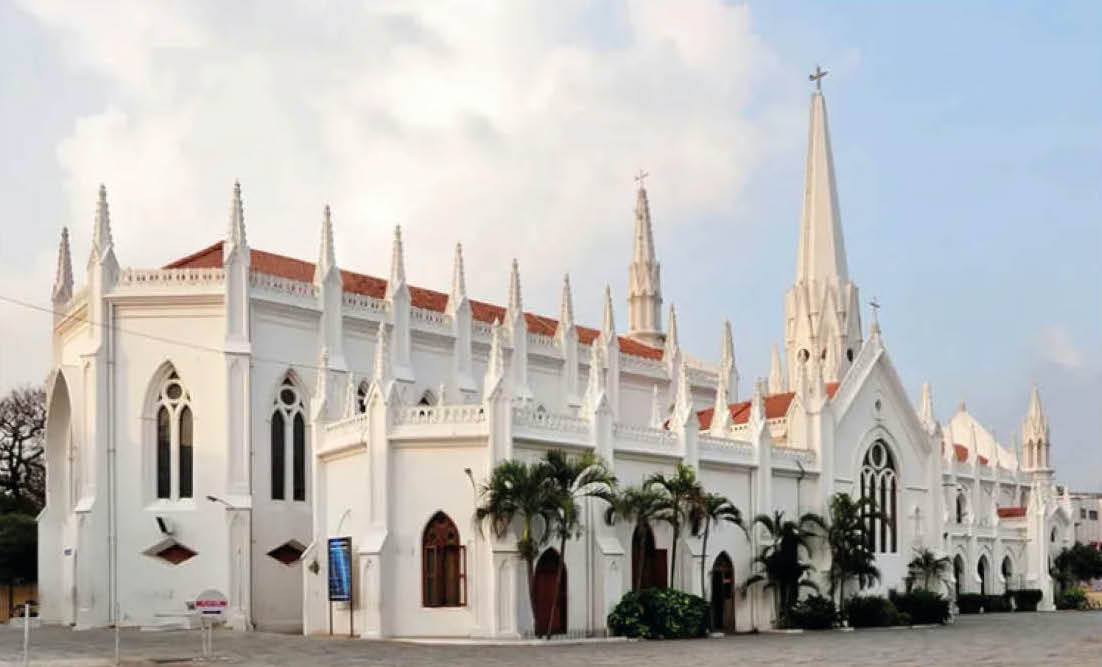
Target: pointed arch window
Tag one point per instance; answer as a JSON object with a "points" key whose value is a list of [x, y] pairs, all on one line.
{"points": [[879, 483], [361, 397], [443, 564], [288, 442], [175, 440]]}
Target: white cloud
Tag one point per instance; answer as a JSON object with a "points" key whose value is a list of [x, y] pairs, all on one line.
{"points": [[512, 127], [1057, 346]]}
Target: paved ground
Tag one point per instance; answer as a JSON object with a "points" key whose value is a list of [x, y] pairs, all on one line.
{"points": [[1064, 638]]}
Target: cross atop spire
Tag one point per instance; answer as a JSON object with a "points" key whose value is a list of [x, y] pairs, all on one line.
{"points": [[817, 77], [641, 178]]}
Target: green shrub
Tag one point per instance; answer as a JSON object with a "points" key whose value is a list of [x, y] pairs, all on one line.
{"points": [[870, 611], [923, 607], [996, 603], [1072, 598], [659, 613], [813, 613], [970, 603], [1027, 599]]}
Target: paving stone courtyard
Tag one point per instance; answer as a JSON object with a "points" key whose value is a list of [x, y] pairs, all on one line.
{"points": [[1060, 638]]}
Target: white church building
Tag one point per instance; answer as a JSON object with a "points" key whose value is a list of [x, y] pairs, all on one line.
{"points": [[214, 423]]}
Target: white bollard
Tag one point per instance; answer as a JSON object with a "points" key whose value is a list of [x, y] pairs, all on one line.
{"points": [[118, 620], [26, 634]]}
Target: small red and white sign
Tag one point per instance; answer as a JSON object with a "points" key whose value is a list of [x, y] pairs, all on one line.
{"points": [[212, 604]]}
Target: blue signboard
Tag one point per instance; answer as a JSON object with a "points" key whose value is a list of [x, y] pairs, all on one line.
{"points": [[340, 569]]}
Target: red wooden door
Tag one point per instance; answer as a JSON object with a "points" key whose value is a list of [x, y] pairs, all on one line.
{"points": [[547, 569]]}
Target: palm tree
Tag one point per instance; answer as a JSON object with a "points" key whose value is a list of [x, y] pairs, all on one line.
{"points": [[640, 505], [849, 540], [708, 508], [525, 491], [572, 479], [678, 490], [782, 568], [927, 566]]}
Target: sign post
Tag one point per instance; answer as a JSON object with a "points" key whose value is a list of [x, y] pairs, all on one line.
{"points": [[211, 605], [340, 577]]}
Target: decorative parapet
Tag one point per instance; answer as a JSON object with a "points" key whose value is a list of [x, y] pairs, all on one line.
{"points": [[541, 340], [536, 424], [440, 414], [701, 377], [644, 439], [793, 455], [280, 285], [481, 330], [362, 302], [423, 318], [152, 278], [725, 450], [651, 367]]}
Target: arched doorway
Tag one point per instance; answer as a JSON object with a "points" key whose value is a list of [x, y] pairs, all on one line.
{"points": [[723, 594], [547, 569], [981, 570], [1008, 571], [648, 564], [958, 574]]}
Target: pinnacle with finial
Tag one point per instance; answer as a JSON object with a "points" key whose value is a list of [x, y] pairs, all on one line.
{"points": [[459, 278], [382, 355], [515, 303], [63, 279], [776, 374], [235, 235], [327, 259], [672, 345], [566, 313], [101, 232], [608, 323], [397, 264]]}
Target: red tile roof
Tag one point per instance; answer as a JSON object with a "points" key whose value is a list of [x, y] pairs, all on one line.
{"points": [[776, 405], [983, 460], [358, 283], [961, 452], [1011, 512]]}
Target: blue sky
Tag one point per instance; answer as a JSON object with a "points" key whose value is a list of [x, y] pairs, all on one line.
{"points": [[966, 141]]}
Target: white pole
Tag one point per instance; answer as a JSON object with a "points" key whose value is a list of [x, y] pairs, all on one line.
{"points": [[118, 619], [26, 633]]}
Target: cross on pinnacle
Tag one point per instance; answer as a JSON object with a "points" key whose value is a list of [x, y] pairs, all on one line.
{"points": [[817, 77], [640, 178], [875, 305]]}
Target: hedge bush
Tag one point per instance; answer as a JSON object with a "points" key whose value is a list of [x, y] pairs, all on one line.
{"points": [[970, 603], [923, 607], [659, 613], [1072, 598], [813, 613], [870, 611], [1027, 599]]}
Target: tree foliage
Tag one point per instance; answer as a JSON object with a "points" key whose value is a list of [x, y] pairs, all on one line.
{"points": [[781, 562], [1077, 563], [678, 491], [927, 567], [22, 440], [848, 537], [639, 505]]}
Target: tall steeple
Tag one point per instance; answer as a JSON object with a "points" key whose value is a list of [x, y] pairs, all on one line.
{"points": [[822, 315], [63, 279], [1035, 439], [777, 382], [644, 277], [103, 247]]}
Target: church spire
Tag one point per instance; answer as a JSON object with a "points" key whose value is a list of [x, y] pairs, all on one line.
{"points": [[822, 252], [644, 276], [63, 279], [566, 312], [397, 264], [1035, 438], [459, 278], [777, 384]]}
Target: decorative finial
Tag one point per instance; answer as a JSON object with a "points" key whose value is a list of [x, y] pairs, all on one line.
{"points": [[817, 77], [641, 178], [875, 305]]}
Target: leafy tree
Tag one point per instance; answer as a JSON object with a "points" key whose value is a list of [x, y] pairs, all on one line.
{"points": [[678, 491], [780, 561], [927, 566], [639, 505], [572, 480], [849, 539], [22, 436], [522, 491], [707, 509], [1077, 563]]}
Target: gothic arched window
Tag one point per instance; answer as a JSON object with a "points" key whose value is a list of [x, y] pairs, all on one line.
{"points": [[960, 507], [288, 441], [174, 439], [361, 397], [878, 483], [443, 564]]}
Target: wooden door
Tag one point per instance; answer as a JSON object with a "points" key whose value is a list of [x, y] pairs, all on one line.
{"points": [[547, 569], [723, 594]]}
